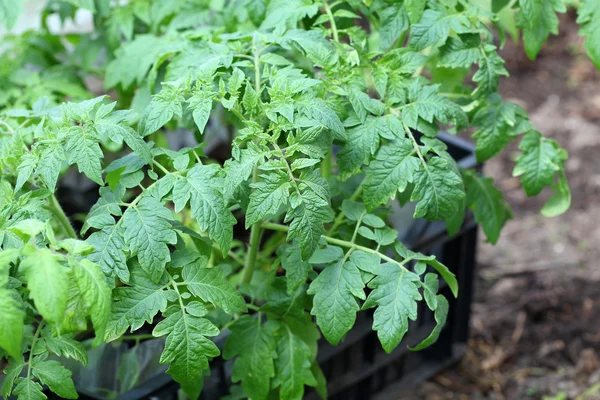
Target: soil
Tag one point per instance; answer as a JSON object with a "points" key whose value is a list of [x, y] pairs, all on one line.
{"points": [[535, 331]]}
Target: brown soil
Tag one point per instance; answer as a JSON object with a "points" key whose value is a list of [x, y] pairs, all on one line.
{"points": [[535, 325]]}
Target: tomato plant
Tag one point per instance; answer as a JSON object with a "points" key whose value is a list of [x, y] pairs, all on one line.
{"points": [[331, 110]]}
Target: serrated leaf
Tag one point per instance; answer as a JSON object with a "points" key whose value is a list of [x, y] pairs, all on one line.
{"points": [[56, 377], [394, 21], [164, 105], [496, 127], [65, 347], [109, 252], [114, 126], [83, 149], [488, 205], [11, 372], [200, 187], [27, 389], [438, 190], [334, 304], [538, 163], [538, 20], [391, 171], [136, 304], [588, 17], [269, 195], [254, 345], [49, 166], [47, 281], [12, 316], [415, 9], [293, 364], [560, 200], [395, 294], [296, 270], [201, 105], [308, 217], [95, 292], [25, 169], [424, 102], [187, 349], [433, 29], [211, 286], [441, 313], [239, 170], [491, 67], [148, 234]]}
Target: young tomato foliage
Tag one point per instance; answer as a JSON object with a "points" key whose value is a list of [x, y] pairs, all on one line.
{"points": [[330, 111]]}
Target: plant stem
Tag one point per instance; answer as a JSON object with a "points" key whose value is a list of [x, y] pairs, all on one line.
{"points": [[334, 30], [33, 342], [62, 218], [326, 165], [339, 219], [341, 243], [252, 253]]}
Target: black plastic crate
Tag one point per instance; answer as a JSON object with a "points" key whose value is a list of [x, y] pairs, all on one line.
{"points": [[358, 368]]}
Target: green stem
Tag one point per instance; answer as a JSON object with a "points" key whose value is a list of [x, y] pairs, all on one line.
{"points": [[341, 243], [62, 218], [339, 219], [334, 30], [326, 165], [252, 253], [33, 342]]}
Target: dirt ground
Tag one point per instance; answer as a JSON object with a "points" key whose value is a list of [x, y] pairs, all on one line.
{"points": [[536, 326]]}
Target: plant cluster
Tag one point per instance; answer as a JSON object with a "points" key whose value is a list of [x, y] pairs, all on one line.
{"points": [[331, 108]]}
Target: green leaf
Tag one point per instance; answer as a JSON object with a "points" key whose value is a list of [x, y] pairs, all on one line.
{"points": [[136, 304], [211, 286], [270, 194], [254, 345], [588, 17], [310, 215], [47, 281], [187, 349], [56, 377], [496, 127], [148, 234], [318, 110], [162, 108], [441, 313], [538, 20], [395, 293], [239, 170], [109, 252], [433, 29], [202, 187], [424, 102], [441, 269], [491, 67], [488, 205], [334, 304], [11, 373], [438, 190], [561, 200], [12, 316], [394, 22], [27, 389], [50, 164], [539, 161], [201, 105], [83, 149], [9, 12], [28, 163], [415, 9], [66, 347], [296, 270], [293, 364], [459, 54], [95, 292], [392, 170], [114, 126]]}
